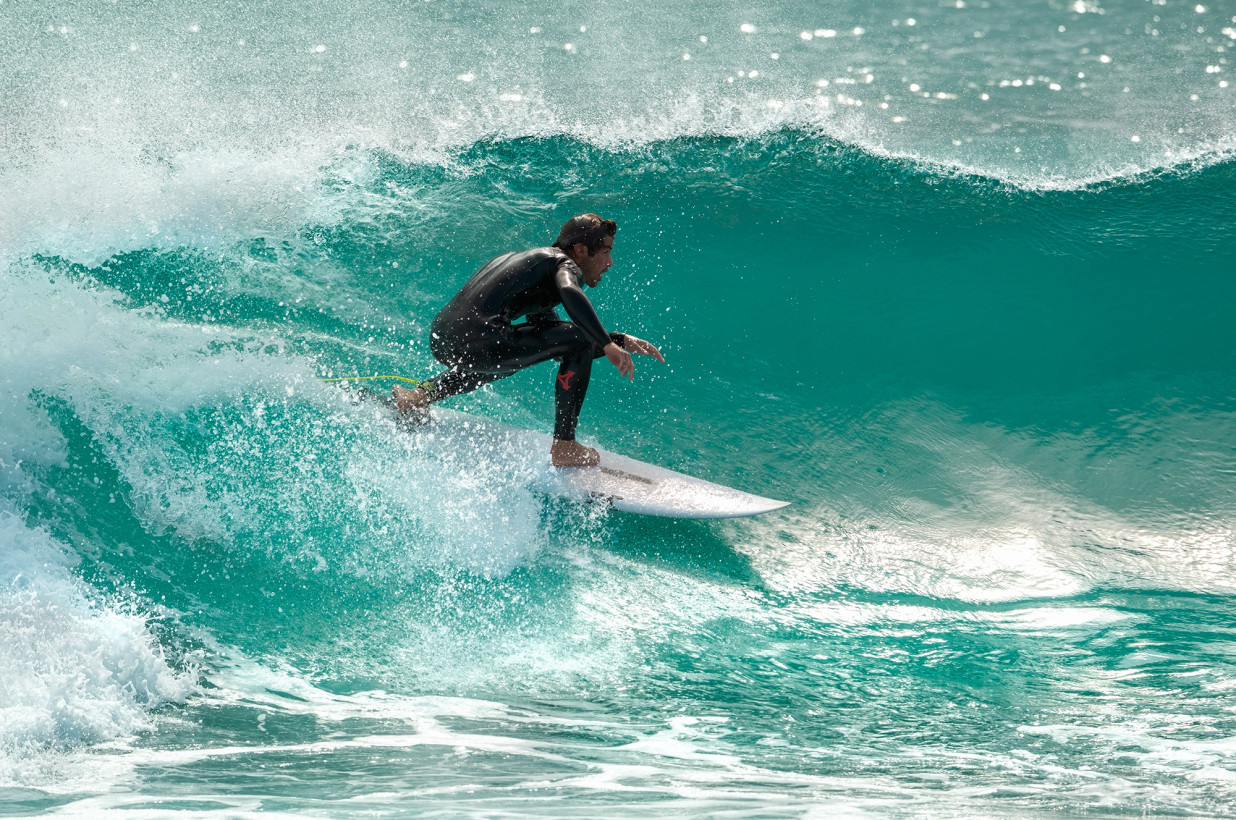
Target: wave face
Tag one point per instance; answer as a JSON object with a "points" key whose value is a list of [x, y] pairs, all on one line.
{"points": [[997, 386]]}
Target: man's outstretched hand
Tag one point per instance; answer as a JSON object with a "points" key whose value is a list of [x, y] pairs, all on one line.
{"points": [[622, 360], [644, 348]]}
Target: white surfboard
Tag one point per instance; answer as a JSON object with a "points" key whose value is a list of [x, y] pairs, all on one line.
{"points": [[622, 483]]}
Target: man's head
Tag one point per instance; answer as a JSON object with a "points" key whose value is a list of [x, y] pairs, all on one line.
{"points": [[589, 240]]}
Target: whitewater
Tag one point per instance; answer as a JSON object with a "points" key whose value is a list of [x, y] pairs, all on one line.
{"points": [[955, 278]]}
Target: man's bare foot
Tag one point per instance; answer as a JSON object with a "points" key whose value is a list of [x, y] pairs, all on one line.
{"points": [[412, 403], [573, 454]]}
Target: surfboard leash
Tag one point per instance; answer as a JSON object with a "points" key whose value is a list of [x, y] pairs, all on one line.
{"points": [[424, 385]]}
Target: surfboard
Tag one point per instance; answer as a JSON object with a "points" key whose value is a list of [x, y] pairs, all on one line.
{"points": [[619, 482]]}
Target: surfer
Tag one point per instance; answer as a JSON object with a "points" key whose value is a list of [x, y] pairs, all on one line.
{"points": [[476, 337]]}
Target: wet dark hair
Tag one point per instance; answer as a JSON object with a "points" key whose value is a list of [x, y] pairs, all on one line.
{"points": [[588, 229]]}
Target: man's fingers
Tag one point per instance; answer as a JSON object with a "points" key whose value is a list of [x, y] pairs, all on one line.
{"points": [[622, 360], [646, 349]]}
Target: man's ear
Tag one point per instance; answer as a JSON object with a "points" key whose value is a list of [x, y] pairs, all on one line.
{"points": [[579, 250]]}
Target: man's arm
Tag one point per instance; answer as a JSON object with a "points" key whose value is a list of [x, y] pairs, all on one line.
{"points": [[582, 313], [577, 305]]}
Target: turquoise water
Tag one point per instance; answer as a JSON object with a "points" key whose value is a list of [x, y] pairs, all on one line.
{"points": [[959, 288]]}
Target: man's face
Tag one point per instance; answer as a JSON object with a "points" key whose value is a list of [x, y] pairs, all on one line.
{"points": [[595, 265]]}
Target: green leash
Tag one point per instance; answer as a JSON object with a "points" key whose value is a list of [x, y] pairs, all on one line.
{"points": [[425, 385]]}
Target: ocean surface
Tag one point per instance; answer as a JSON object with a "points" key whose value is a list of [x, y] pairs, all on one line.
{"points": [[956, 278]]}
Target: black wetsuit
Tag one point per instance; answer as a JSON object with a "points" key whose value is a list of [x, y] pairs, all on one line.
{"points": [[475, 336]]}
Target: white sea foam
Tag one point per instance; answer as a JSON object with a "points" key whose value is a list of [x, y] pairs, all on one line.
{"points": [[88, 201], [74, 670]]}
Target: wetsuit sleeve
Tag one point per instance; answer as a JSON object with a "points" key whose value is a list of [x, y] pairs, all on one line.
{"points": [[577, 305]]}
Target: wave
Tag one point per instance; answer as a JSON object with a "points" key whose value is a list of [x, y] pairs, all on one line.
{"points": [[975, 391], [89, 202]]}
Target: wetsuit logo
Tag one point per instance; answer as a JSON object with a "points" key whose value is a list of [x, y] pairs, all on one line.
{"points": [[564, 379]]}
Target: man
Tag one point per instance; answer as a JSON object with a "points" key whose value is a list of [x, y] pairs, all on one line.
{"points": [[475, 334]]}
